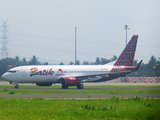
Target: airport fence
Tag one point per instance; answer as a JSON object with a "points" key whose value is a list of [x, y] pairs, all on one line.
{"points": [[136, 80]]}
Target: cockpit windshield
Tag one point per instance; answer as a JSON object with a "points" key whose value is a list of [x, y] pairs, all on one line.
{"points": [[12, 71]]}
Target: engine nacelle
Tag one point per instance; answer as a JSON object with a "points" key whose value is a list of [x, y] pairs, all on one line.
{"points": [[44, 84], [69, 81]]}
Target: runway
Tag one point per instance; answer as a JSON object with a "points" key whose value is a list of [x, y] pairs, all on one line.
{"points": [[77, 96], [96, 84], [83, 96], [75, 89]]}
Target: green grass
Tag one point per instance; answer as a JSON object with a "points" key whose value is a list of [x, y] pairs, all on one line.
{"points": [[87, 90], [6, 91], [112, 109], [70, 87]]}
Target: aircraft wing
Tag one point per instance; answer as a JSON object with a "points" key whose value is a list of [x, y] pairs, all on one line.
{"points": [[95, 77], [91, 77]]}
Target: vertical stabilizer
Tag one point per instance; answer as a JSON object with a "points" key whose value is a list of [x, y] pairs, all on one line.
{"points": [[127, 56]]}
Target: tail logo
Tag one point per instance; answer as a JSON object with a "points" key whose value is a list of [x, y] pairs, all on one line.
{"points": [[127, 56]]}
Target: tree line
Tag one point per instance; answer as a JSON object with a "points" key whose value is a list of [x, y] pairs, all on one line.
{"points": [[152, 68], [8, 63]]}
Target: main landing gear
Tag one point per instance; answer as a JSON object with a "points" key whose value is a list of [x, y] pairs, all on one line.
{"points": [[79, 86], [17, 86]]}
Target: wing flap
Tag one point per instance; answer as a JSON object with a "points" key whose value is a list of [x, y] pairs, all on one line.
{"points": [[89, 78]]}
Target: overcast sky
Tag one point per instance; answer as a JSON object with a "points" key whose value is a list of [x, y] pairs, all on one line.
{"points": [[46, 28]]}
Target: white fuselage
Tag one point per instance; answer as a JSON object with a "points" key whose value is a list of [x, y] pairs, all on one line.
{"points": [[52, 73]]}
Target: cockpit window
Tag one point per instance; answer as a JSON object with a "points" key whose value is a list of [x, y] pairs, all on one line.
{"points": [[12, 71]]}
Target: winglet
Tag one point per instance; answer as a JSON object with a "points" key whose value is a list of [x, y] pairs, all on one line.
{"points": [[138, 66]]}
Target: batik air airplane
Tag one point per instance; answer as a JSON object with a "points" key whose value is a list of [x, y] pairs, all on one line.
{"points": [[75, 75]]}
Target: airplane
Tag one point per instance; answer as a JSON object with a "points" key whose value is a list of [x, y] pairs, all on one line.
{"points": [[75, 75]]}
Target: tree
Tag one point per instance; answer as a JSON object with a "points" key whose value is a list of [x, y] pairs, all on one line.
{"points": [[97, 61], [17, 59], [103, 61], [157, 71], [114, 58], [150, 71], [61, 63], [85, 63], [77, 62], [135, 62], [152, 60], [34, 61], [71, 63], [24, 61], [4, 66]]}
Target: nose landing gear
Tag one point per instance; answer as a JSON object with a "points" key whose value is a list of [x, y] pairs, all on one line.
{"points": [[15, 83]]}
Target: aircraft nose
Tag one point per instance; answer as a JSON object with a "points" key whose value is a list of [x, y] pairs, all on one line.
{"points": [[5, 76]]}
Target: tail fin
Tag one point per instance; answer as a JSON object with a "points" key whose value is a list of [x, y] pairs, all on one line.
{"points": [[127, 56]]}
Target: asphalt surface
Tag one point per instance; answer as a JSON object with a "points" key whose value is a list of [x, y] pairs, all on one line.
{"points": [[75, 89], [77, 96], [83, 96], [96, 84]]}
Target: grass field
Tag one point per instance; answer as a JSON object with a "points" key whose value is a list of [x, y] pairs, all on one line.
{"points": [[88, 90], [70, 87], [91, 109], [6, 91], [113, 109]]}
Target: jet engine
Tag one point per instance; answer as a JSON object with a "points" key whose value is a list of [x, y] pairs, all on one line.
{"points": [[69, 81]]}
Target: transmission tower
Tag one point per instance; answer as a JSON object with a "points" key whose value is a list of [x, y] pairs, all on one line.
{"points": [[4, 39]]}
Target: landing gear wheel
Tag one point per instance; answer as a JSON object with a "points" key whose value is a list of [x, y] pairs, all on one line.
{"points": [[80, 86], [64, 87], [17, 86]]}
